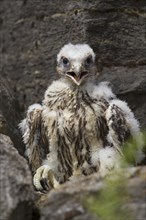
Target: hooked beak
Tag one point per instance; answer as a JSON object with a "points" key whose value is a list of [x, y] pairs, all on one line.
{"points": [[77, 77]]}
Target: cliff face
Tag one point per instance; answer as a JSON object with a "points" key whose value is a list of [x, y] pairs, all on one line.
{"points": [[32, 33], [16, 190]]}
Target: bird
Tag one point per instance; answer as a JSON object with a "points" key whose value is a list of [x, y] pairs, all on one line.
{"points": [[80, 127]]}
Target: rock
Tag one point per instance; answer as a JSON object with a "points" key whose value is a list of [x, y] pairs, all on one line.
{"points": [[33, 33], [10, 114], [17, 196], [3, 124], [68, 202], [136, 189]]}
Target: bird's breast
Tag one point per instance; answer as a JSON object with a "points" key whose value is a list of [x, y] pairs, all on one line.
{"points": [[74, 118], [74, 127]]}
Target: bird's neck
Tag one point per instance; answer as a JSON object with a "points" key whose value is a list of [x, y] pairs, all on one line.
{"points": [[77, 88], [61, 91]]}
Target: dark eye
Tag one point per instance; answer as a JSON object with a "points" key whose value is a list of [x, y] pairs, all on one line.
{"points": [[65, 61], [89, 61]]}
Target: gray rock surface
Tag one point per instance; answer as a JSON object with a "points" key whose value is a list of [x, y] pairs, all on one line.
{"points": [[10, 114], [67, 202], [32, 33], [16, 191]]}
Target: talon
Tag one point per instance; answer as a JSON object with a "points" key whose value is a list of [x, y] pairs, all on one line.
{"points": [[53, 180], [44, 179], [36, 179], [44, 184]]}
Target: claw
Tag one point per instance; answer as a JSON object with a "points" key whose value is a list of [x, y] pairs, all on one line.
{"points": [[37, 178], [44, 179], [44, 184]]}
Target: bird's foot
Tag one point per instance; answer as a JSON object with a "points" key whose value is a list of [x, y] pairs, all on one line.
{"points": [[44, 179]]}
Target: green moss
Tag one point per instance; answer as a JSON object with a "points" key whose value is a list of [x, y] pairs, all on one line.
{"points": [[110, 202], [130, 149]]}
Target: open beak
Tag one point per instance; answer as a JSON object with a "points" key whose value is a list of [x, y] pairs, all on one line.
{"points": [[77, 77]]}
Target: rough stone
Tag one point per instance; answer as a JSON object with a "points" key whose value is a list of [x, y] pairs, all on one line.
{"points": [[67, 202], [16, 191], [10, 114]]}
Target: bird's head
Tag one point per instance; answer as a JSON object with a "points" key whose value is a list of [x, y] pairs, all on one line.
{"points": [[76, 63]]}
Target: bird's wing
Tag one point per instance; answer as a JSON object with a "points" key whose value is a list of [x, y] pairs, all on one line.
{"points": [[35, 136], [122, 124]]}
